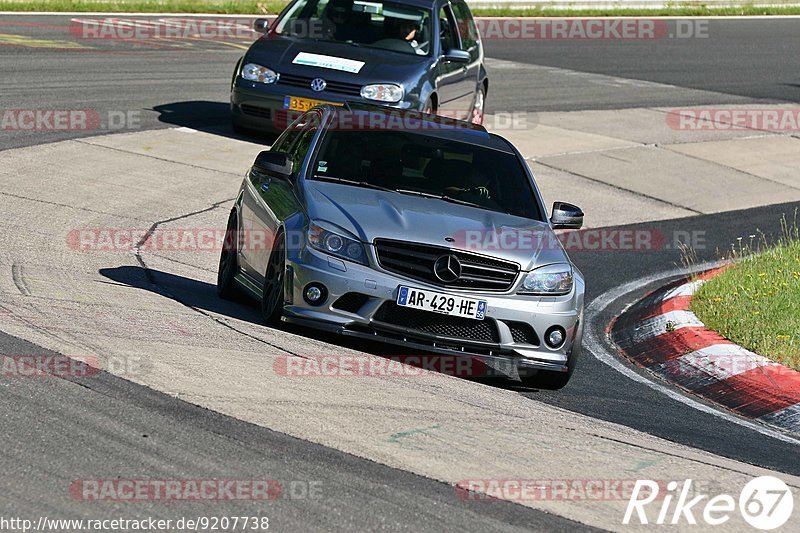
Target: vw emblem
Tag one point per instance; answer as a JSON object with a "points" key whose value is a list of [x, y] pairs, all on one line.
{"points": [[447, 268], [318, 84]]}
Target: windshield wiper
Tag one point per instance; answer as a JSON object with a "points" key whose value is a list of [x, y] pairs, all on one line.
{"points": [[419, 193], [364, 184], [440, 197], [462, 202]]}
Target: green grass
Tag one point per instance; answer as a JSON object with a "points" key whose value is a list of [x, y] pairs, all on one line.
{"points": [[756, 302], [249, 7]]}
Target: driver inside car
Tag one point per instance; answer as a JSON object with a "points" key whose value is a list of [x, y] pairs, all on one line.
{"points": [[474, 184], [336, 22]]}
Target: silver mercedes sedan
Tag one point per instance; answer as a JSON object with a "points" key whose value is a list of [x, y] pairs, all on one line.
{"points": [[409, 229]]}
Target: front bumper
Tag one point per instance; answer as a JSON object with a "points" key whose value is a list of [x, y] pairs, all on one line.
{"points": [[262, 107], [513, 329]]}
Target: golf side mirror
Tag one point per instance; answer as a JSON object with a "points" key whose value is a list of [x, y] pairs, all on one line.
{"points": [[457, 56], [261, 25]]}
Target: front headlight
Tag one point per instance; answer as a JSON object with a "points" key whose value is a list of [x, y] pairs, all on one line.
{"points": [[550, 280], [337, 245], [253, 72], [382, 92]]}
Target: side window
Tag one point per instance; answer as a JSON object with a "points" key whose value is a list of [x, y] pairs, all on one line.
{"points": [[448, 35], [296, 140], [300, 149], [466, 24], [287, 138]]}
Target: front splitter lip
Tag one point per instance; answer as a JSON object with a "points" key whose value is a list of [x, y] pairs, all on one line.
{"points": [[501, 357]]}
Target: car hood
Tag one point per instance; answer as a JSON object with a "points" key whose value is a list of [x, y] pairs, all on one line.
{"points": [[369, 214], [278, 53]]}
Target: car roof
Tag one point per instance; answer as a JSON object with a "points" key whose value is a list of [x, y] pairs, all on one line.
{"points": [[359, 115]]}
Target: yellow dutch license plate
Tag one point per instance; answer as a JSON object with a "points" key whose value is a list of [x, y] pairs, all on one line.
{"points": [[295, 103]]}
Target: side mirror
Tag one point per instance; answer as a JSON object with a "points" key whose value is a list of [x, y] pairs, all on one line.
{"points": [[566, 216], [261, 25], [457, 56], [277, 164]]}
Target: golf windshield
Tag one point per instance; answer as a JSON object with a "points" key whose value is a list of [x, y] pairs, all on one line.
{"points": [[385, 25]]}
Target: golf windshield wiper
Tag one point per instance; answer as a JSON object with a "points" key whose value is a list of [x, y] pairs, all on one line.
{"points": [[354, 183]]}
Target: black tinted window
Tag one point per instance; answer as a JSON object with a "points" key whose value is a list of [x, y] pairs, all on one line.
{"points": [[415, 162], [386, 25], [447, 32], [466, 26]]}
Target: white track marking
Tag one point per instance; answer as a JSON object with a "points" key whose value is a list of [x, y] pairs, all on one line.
{"points": [[657, 325], [598, 349], [714, 363], [687, 289]]}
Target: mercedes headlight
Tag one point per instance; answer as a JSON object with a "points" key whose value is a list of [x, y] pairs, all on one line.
{"points": [[382, 92], [336, 245], [550, 280], [253, 72]]}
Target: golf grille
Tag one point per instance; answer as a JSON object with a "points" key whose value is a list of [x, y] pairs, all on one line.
{"points": [[338, 87], [256, 111]]}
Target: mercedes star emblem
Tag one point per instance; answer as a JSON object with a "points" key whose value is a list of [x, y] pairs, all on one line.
{"points": [[447, 268]]}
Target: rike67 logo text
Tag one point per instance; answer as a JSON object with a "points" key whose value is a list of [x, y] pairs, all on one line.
{"points": [[765, 503]]}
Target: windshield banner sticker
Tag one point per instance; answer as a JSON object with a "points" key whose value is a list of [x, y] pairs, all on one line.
{"points": [[331, 62]]}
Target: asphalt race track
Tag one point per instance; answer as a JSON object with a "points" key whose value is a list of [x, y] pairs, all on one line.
{"points": [[56, 431]]}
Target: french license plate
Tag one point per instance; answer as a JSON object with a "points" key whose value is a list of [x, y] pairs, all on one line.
{"points": [[295, 103], [444, 304]]}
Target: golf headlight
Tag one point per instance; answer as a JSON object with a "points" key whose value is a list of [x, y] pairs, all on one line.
{"points": [[253, 72], [382, 92], [337, 245], [549, 280]]}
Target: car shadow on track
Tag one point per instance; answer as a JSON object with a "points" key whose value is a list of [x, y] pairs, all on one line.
{"points": [[203, 297], [208, 117]]}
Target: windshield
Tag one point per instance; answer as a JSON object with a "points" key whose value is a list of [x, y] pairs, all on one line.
{"points": [[385, 25], [427, 166]]}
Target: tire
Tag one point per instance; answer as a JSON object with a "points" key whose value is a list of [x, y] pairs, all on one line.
{"points": [[429, 108], [479, 106], [228, 261], [272, 292]]}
